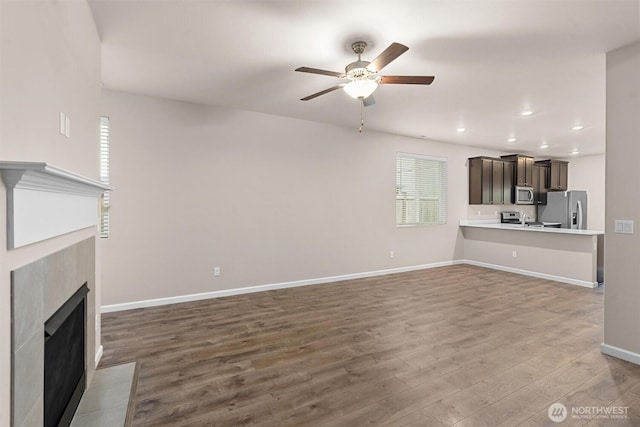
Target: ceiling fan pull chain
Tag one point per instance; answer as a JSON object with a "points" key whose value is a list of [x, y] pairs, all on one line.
{"points": [[361, 116]]}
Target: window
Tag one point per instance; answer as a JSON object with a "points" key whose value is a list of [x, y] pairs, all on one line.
{"points": [[421, 190], [104, 176]]}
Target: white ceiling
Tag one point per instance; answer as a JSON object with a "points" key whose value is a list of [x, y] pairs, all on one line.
{"points": [[491, 60]]}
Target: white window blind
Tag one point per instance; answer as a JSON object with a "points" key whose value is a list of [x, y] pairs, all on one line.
{"points": [[104, 176], [421, 190]]}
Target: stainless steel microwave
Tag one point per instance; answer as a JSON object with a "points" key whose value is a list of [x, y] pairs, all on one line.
{"points": [[523, 195]]}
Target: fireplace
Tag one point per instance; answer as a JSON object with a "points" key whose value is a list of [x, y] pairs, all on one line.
{"points": [[43, 203], [64, 360], [52, 297]]}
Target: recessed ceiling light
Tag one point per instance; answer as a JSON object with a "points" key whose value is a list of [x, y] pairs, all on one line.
{"points": [[577, 127], [575, 151], [461, 129], [526, 112], [544, 145], [512, 139]]}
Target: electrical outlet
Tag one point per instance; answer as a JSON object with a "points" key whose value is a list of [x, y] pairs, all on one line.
{"points": [[391, 254], [514, 254], [216, 271]]}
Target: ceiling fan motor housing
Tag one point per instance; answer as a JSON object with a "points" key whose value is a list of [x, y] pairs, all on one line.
{"points": [[358, 70]]}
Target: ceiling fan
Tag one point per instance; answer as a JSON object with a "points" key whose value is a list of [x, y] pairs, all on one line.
{"points": [[364, 76]]}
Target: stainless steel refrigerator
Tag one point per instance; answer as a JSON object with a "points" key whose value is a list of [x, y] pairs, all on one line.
{"points": [[569, 208]]}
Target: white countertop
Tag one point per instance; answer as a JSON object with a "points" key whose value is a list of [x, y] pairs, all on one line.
{"points": [[495, 224]]}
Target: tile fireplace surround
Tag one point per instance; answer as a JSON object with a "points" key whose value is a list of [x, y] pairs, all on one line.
{"points": [[37, 291]]}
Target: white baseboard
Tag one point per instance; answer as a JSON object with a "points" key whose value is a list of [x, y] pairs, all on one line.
{"points": [[269, 287], [99, 355], [568, 280], [620, 353], [321, 280]]}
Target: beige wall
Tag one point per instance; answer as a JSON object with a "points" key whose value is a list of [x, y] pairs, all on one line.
{"points": [[50, 62], [588, 173], [622, 271], [268, 199]]}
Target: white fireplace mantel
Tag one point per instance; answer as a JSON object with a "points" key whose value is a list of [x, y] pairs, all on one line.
{"points": [[44, 201]]}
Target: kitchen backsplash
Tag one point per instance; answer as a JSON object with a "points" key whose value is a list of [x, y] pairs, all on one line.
{"points": [[493, 211]]}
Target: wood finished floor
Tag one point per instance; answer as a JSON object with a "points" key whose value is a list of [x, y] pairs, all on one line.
{"points": [[457, 345]]}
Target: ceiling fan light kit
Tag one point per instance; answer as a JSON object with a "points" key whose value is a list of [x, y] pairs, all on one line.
{"points": [[364, 76], [360, 88]]}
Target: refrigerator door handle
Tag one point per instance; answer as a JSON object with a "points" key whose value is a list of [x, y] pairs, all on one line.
{"points": [[580, 226]]}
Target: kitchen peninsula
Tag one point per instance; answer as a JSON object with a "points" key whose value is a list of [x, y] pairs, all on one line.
{"points": [[560, 254]]}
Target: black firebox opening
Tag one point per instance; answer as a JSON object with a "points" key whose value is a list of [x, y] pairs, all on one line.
{"points": [[64, 360]]}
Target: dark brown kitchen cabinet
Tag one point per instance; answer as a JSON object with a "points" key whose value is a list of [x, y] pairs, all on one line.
{"points": [[480, 180], [507, 183], [523, 169], [557, 177], [490, 181], [540, 184]]}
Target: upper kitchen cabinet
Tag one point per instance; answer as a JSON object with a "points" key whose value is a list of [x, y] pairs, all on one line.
{"points": [[523, 169], [490, 181], [540, 184], [557, 174]]}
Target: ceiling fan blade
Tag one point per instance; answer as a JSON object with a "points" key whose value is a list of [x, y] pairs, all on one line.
{"points": [[389, 54], [322, 92], [368, 101], [319, 71], [406, 80]]}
